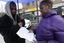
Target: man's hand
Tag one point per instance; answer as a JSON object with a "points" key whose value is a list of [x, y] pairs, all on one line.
{"points": [[20, 24]]}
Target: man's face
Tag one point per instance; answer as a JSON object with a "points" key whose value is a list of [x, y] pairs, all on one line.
{"points": [[44, 9], [13, 8], [21, 16]]}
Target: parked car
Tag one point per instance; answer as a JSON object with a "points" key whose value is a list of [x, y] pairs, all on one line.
{"points": [[27, 23], [59, 10], [29, 16]]}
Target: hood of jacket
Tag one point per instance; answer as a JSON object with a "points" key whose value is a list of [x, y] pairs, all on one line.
{"points": [[8, 12]]}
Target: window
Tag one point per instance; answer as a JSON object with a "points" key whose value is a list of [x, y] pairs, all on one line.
{"points": [[33, 3], [28, 5], [62, 0], [53, 0]]}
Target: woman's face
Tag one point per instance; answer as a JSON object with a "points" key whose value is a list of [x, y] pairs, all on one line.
{"points": [[44, 9]]}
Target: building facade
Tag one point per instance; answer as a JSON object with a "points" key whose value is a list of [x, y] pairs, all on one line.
{"points": [[33, 4]]}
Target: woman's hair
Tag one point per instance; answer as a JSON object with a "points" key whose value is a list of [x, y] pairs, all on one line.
{"points": [[47, 2]]}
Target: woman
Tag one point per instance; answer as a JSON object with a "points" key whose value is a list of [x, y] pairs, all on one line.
{"points": [[50, 24]]}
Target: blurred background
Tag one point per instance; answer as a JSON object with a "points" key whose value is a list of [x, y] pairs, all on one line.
{"points": [[31, 11]]}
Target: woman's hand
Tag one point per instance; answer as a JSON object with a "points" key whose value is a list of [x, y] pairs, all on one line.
{"points": [[30, 31], [34, 41]]}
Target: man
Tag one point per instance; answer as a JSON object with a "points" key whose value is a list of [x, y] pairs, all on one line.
{"points": [[51, 27], [9, 24]]}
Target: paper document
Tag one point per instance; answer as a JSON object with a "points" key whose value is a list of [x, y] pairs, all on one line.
{"points": [[24, 33]]}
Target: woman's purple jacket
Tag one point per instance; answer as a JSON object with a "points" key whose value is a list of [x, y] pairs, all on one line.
{"points": [[50, 28]]}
